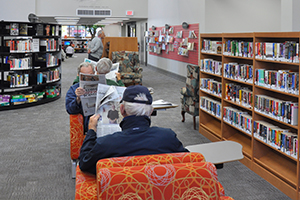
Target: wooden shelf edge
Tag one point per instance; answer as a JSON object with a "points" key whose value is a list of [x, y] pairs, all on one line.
{"points": [[237, 104], [275, 173], [284, 187], [238, 81], [208, 134], [277, 91]]}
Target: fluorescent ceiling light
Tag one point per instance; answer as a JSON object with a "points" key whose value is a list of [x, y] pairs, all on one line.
{"points": [[116, 18], [67, 18]]}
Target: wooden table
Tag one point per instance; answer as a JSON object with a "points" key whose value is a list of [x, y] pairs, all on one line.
{"points": [[219, 152]]}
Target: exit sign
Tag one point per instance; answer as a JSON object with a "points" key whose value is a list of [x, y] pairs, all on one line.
{"points": [[129, 12]]}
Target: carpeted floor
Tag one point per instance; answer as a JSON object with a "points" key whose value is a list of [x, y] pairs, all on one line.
{"points": [[35, 154]]}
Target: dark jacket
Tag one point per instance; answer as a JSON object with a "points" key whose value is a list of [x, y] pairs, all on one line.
{"points": [[73, 107], [136, 138]]}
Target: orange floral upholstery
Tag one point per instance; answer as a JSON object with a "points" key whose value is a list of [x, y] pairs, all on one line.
{"points": [[165, 182], [85, 182], [76, 135], [167, 158], [86, 188]]}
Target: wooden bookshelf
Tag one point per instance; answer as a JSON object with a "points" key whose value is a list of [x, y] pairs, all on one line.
{"points": [[112, 44], [270, 162]]}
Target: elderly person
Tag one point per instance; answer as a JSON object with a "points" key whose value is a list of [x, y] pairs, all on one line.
{"points": [[136, 137], [73, 102], [104, 66], [95, 48]]}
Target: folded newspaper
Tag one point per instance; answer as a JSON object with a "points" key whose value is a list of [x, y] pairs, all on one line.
{"points": [[89, 82], [108, 106]]}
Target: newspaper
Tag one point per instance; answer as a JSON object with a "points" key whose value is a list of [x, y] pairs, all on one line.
{"points": [[89, 82], [107, 105], [110, 75]]}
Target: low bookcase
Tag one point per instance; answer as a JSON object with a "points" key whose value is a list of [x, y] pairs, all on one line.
{"points": [[258, 100], [30, 64]]}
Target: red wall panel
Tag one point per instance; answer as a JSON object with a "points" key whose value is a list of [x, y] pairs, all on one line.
{"points": [[193, 55]]}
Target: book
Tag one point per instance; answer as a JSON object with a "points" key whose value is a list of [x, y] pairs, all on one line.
{"points": [[47, 29], [23, 29], [39, 29], [14, 29]]}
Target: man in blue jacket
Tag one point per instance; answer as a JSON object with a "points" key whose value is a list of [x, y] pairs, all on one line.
{"points": [[136, 137]]}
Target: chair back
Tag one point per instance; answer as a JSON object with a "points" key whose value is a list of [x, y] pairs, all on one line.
{"points": [[164, 182]]}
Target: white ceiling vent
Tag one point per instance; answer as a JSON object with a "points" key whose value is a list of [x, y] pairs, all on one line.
{"points": [[102, 12], [93, 12]]}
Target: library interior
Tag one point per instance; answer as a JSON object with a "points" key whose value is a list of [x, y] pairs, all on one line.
{"points": [[141, 99]]}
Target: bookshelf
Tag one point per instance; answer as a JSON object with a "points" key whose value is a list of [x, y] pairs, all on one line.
{"points": [[259, 101], [30, 64]]}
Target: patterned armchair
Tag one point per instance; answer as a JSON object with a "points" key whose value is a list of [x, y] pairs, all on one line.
{"points": [[196, 180], [190, 94], [129, 68], [76, 139], [124, 168]]}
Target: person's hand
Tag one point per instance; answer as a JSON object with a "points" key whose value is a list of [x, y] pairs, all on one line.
{"points": [[93, 122], [79, 92], [89, 51], [118, 76]]}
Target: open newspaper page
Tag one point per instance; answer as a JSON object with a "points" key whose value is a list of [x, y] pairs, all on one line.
{"points": [[108, 106], [90, 82]]}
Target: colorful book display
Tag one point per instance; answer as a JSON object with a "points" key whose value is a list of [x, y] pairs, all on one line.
{"points": [[285, 111], [211, 86], [211, 106], [4, 100], [239, 94], [19, 45], [18, 79], [282, 80], [240, 72], [287, 51], [18, 63], [279, 138], [239, 119], [238, 48], [211, 46], [211, 66]]}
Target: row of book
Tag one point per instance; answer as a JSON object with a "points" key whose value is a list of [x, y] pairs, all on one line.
{"points": [[19, 45], [239, 94], [238, 48], [18, 79], [52, 91], [22, 29], [279, 138], [49, 44], [16, 99], [211, 66], [211, 106], [285, 111], [18, 63], [211, 46], [240, 119], [287, 51], [47, 76], [282, 80], [240, 72], [211, 86], [51, 60]]}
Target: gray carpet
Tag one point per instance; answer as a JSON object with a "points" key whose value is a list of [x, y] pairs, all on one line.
{"points": [[35, 154]]}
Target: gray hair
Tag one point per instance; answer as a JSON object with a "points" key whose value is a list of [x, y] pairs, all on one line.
{"points": [[85, 64], [138, 109], [99, 32], [104, 66]]}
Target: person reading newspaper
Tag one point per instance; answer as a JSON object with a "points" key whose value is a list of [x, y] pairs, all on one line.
{"points": [[73, 101], [105, 66], [74, 94], [137, 137]]}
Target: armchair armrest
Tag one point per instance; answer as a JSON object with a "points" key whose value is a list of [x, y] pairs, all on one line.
{"points": [[76, 135]]}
